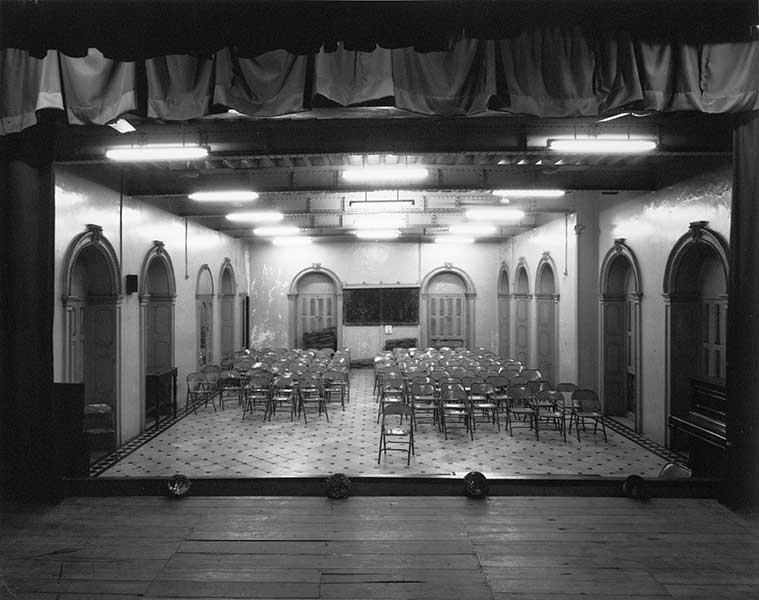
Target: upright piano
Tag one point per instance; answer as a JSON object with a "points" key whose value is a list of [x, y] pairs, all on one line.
{"points": [[702, 430]]}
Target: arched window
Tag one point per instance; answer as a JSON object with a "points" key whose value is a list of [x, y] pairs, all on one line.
{"points": [[546, 321], [621, 344], [204, 299], [504, 313], [695, 292], [227, 298], [91, 319], [447, 308], [522, 300]]}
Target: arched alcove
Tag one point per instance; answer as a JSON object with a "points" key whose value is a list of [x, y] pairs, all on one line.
{"points": [[204, 300], [315, 304], [695, 294], [446, 312], [546, 319], [504, 312], [620, 361], [157, 297], [227, 301], [522, 301], [92, 320]]}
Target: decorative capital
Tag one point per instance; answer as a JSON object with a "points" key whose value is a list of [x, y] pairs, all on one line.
{"points": [[618, 243], [697, 229], [316, 266], [159, 246], [547, 254], [448, 265], [579, 229], [95, 231]]}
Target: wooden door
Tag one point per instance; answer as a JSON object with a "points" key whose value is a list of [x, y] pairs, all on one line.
{"points": [[615, 358], [522, 330], [447, 319], [227, 326], [158, 333], [546, 336], [76, 341], [317, 312], [100, 354]]}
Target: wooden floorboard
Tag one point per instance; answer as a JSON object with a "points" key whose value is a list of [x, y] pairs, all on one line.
{"points": [[500, 548]]}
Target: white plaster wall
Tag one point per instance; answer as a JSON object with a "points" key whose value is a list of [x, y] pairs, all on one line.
{"points": [[79, 201], [371, 263], [651, 223], [558, 239]]}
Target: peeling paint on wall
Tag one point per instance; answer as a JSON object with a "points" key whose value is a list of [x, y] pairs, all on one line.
{"points": [[268, 302]]}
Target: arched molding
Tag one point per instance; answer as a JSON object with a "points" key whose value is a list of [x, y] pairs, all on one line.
{"points": [[504, 281], [91, 238], [292, 299], [546, 262], [698, 234], [226, 267], [203, 270], [522, 267], [619, 250], [618, 253], [469, 293], [158, 252]]}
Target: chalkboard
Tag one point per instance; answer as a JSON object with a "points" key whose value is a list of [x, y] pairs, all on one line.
{"points": [[381, 306]]}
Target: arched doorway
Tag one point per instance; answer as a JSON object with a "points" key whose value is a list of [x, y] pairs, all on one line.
{"points": [[91, 321], [695, 293], [157, 297], [447, 308], [546, 319], [522, 299], [504, 313], [227, 300], [620, 321], [316, 307], [204, 300]]}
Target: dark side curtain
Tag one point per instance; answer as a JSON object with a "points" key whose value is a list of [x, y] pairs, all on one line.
{"points": [[547, 71]]}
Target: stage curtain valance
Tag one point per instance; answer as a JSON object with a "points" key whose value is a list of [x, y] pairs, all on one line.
{"points": [[559, 71]]}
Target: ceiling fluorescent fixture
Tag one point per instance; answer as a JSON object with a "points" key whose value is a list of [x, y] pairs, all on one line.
{"points": [[255, 217], [494, 214], [122, 126], [282, 230], [224, 196], [377, 234], [294, 240], [156, 152], [534, 193], [473, 229], [378, 221], [602, 145], [380, 205], [453, 239], [384, 174]]}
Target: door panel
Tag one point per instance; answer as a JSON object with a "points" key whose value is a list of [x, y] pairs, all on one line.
{"points": [[159, 335], [447, 320], [100, 352], [522, 331], [615, 358], [227, 327], [546, 334], [76, 342]]}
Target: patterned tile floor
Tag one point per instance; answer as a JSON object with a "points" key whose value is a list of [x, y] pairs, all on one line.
{"points": [[222, 444]]}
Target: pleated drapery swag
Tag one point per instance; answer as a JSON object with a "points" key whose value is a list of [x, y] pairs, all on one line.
{"points": [[545, 71]]}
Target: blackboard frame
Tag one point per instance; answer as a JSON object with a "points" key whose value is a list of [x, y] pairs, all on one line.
{"points": [[388, 305]]}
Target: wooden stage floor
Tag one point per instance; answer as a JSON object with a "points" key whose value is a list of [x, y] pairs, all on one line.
{"points": [[377, 548]]}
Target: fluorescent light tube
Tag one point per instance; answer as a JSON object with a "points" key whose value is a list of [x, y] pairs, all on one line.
{"points": [[495, 214], [282, 230], [255, 217], [294, 240], [156, 152], [536, 193], [453, 239], [473, 229], [224, 196], [384, 174], [377, 234], [602, 145]]}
